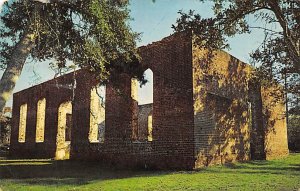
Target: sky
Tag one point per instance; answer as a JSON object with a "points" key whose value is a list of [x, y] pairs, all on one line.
{"points": [[153, 21], [1, 3]]}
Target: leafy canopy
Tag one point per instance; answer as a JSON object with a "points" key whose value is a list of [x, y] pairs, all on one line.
{"points": [[93, 34], [280, 49], [278, 56]]}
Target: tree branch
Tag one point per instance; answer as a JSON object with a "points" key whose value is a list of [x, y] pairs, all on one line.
{"points": [[295, 53], [273, 32]]}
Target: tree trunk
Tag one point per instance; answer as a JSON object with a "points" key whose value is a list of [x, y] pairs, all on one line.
{"points": [[14, 67]]}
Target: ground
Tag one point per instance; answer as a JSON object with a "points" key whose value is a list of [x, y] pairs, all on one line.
{"points": [[282, 174]]}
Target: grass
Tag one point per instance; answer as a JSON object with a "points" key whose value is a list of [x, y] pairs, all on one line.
{"points": [[283, 174]]}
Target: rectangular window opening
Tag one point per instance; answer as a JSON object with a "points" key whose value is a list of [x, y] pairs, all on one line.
{"points": [[22, 123], [40, 120], [97, 115]]}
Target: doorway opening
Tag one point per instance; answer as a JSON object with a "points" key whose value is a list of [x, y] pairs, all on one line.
{"points": [[64, 127]]}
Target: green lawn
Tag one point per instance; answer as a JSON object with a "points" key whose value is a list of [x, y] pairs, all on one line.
{"points": [[283, 174]]}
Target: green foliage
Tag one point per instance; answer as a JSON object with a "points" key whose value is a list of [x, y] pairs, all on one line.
{"points": [[294, 122], [281, 47], [92, 34], [279, 53], [5, 127], [272, 175], [294, 132]]}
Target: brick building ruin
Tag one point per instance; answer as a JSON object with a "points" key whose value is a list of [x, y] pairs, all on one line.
{"points": [[204, 112]]}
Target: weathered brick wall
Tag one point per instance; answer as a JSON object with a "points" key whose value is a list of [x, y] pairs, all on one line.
{"points": [[276, 144], [172, 113], [55, 92], [171, 62], [222, 131], [221, 114], [200, 113]]}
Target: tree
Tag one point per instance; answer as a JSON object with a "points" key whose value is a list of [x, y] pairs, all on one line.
{"points": [[279, 53], [5, 128], [92, 34], [281, 47]]}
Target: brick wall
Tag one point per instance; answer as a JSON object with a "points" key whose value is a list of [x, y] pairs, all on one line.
{"points": [[276, 144], [171, 62], [234, 118], [172, 113], [200, 112], [221, 113], [55, 92]]}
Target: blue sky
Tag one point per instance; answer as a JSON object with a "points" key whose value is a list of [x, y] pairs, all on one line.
{"points": [[154, 21]]}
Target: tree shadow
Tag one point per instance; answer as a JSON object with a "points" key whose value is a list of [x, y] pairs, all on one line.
{"points": [[260, 167], [49, 172], [223, 82], [230, 125]]}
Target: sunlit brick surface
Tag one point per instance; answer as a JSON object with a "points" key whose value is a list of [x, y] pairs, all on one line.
{"points": [[204, 112]]}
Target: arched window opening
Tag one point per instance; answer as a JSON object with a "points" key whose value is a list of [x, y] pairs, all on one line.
{"points": [[64, 127], [97, 115], [145, 92], [145, 108], [22, 123], [40, 120]]}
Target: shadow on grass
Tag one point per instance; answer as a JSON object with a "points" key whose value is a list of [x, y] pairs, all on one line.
{"points": [[260, 167], [75, 173], [48, 172]]}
